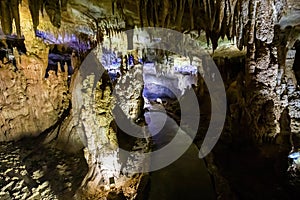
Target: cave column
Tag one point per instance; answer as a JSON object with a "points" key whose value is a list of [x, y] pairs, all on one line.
{"points": [[101, 151], [262, 110]]}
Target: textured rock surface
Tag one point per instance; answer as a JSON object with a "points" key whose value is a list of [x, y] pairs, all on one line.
{"points": [[264, 100], [128, 91], [91, 123], [261, 91], [30, 104], [44, 173]]}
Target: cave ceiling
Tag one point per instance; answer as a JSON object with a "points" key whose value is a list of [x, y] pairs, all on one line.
{"points": [[217, 18]]}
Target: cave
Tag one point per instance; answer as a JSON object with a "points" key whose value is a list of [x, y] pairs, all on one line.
{"points": [[148, 99]]}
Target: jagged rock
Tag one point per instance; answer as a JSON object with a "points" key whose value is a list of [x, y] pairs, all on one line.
{"points": [[31, 104], [129, 91]]}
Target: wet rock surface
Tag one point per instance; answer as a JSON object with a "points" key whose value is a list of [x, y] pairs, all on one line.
{"points": [[28, 172]]}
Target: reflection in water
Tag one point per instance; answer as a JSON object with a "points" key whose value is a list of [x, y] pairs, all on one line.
{"points": [[187, 177], [164, 82]]}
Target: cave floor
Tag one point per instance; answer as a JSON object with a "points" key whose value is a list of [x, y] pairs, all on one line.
{"points": [[31, 171]]}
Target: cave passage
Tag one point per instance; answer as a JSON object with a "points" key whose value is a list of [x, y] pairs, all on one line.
{"points": [[70, 69]]}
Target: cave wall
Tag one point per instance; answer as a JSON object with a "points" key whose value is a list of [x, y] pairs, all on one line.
{"points": [[30, 104], [267, 101], [265, 90]]}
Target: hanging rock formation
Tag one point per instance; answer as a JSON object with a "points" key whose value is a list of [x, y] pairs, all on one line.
{"points": [[266, 101]]}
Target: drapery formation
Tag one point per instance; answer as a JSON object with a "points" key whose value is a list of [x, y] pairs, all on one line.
{"points": [[254, 24], [9, 12], [251, 22], [53, 9], [218, 18]]}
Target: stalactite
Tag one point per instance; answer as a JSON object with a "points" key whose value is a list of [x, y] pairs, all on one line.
{"points": [[180, 14], [153, 17], [120, 6], [208, 13], [227, 13], [145, 13], [220, 15], [113, 7], [34, 7], [207, 35], [199, 33], [140, 10], [213, 11], [53, 10], [14, 9], [251, 40], [151, 12], [64, 5], [175, 9], [233, 7], [6, 21], [191, 2], [240, 33], [241, 17], [155, 10], [223, 30], [166, 14], [205, 14], [214, 40], [265, 31], [232, 30], [168, 20]]}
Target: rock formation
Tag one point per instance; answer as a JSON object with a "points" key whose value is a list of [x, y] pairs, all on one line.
{"points": [[263, 100], [30, 104]]}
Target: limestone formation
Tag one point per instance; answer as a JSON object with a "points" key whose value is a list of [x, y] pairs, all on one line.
{"points": [[263, 97], [30, 104], [128, 91]]}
